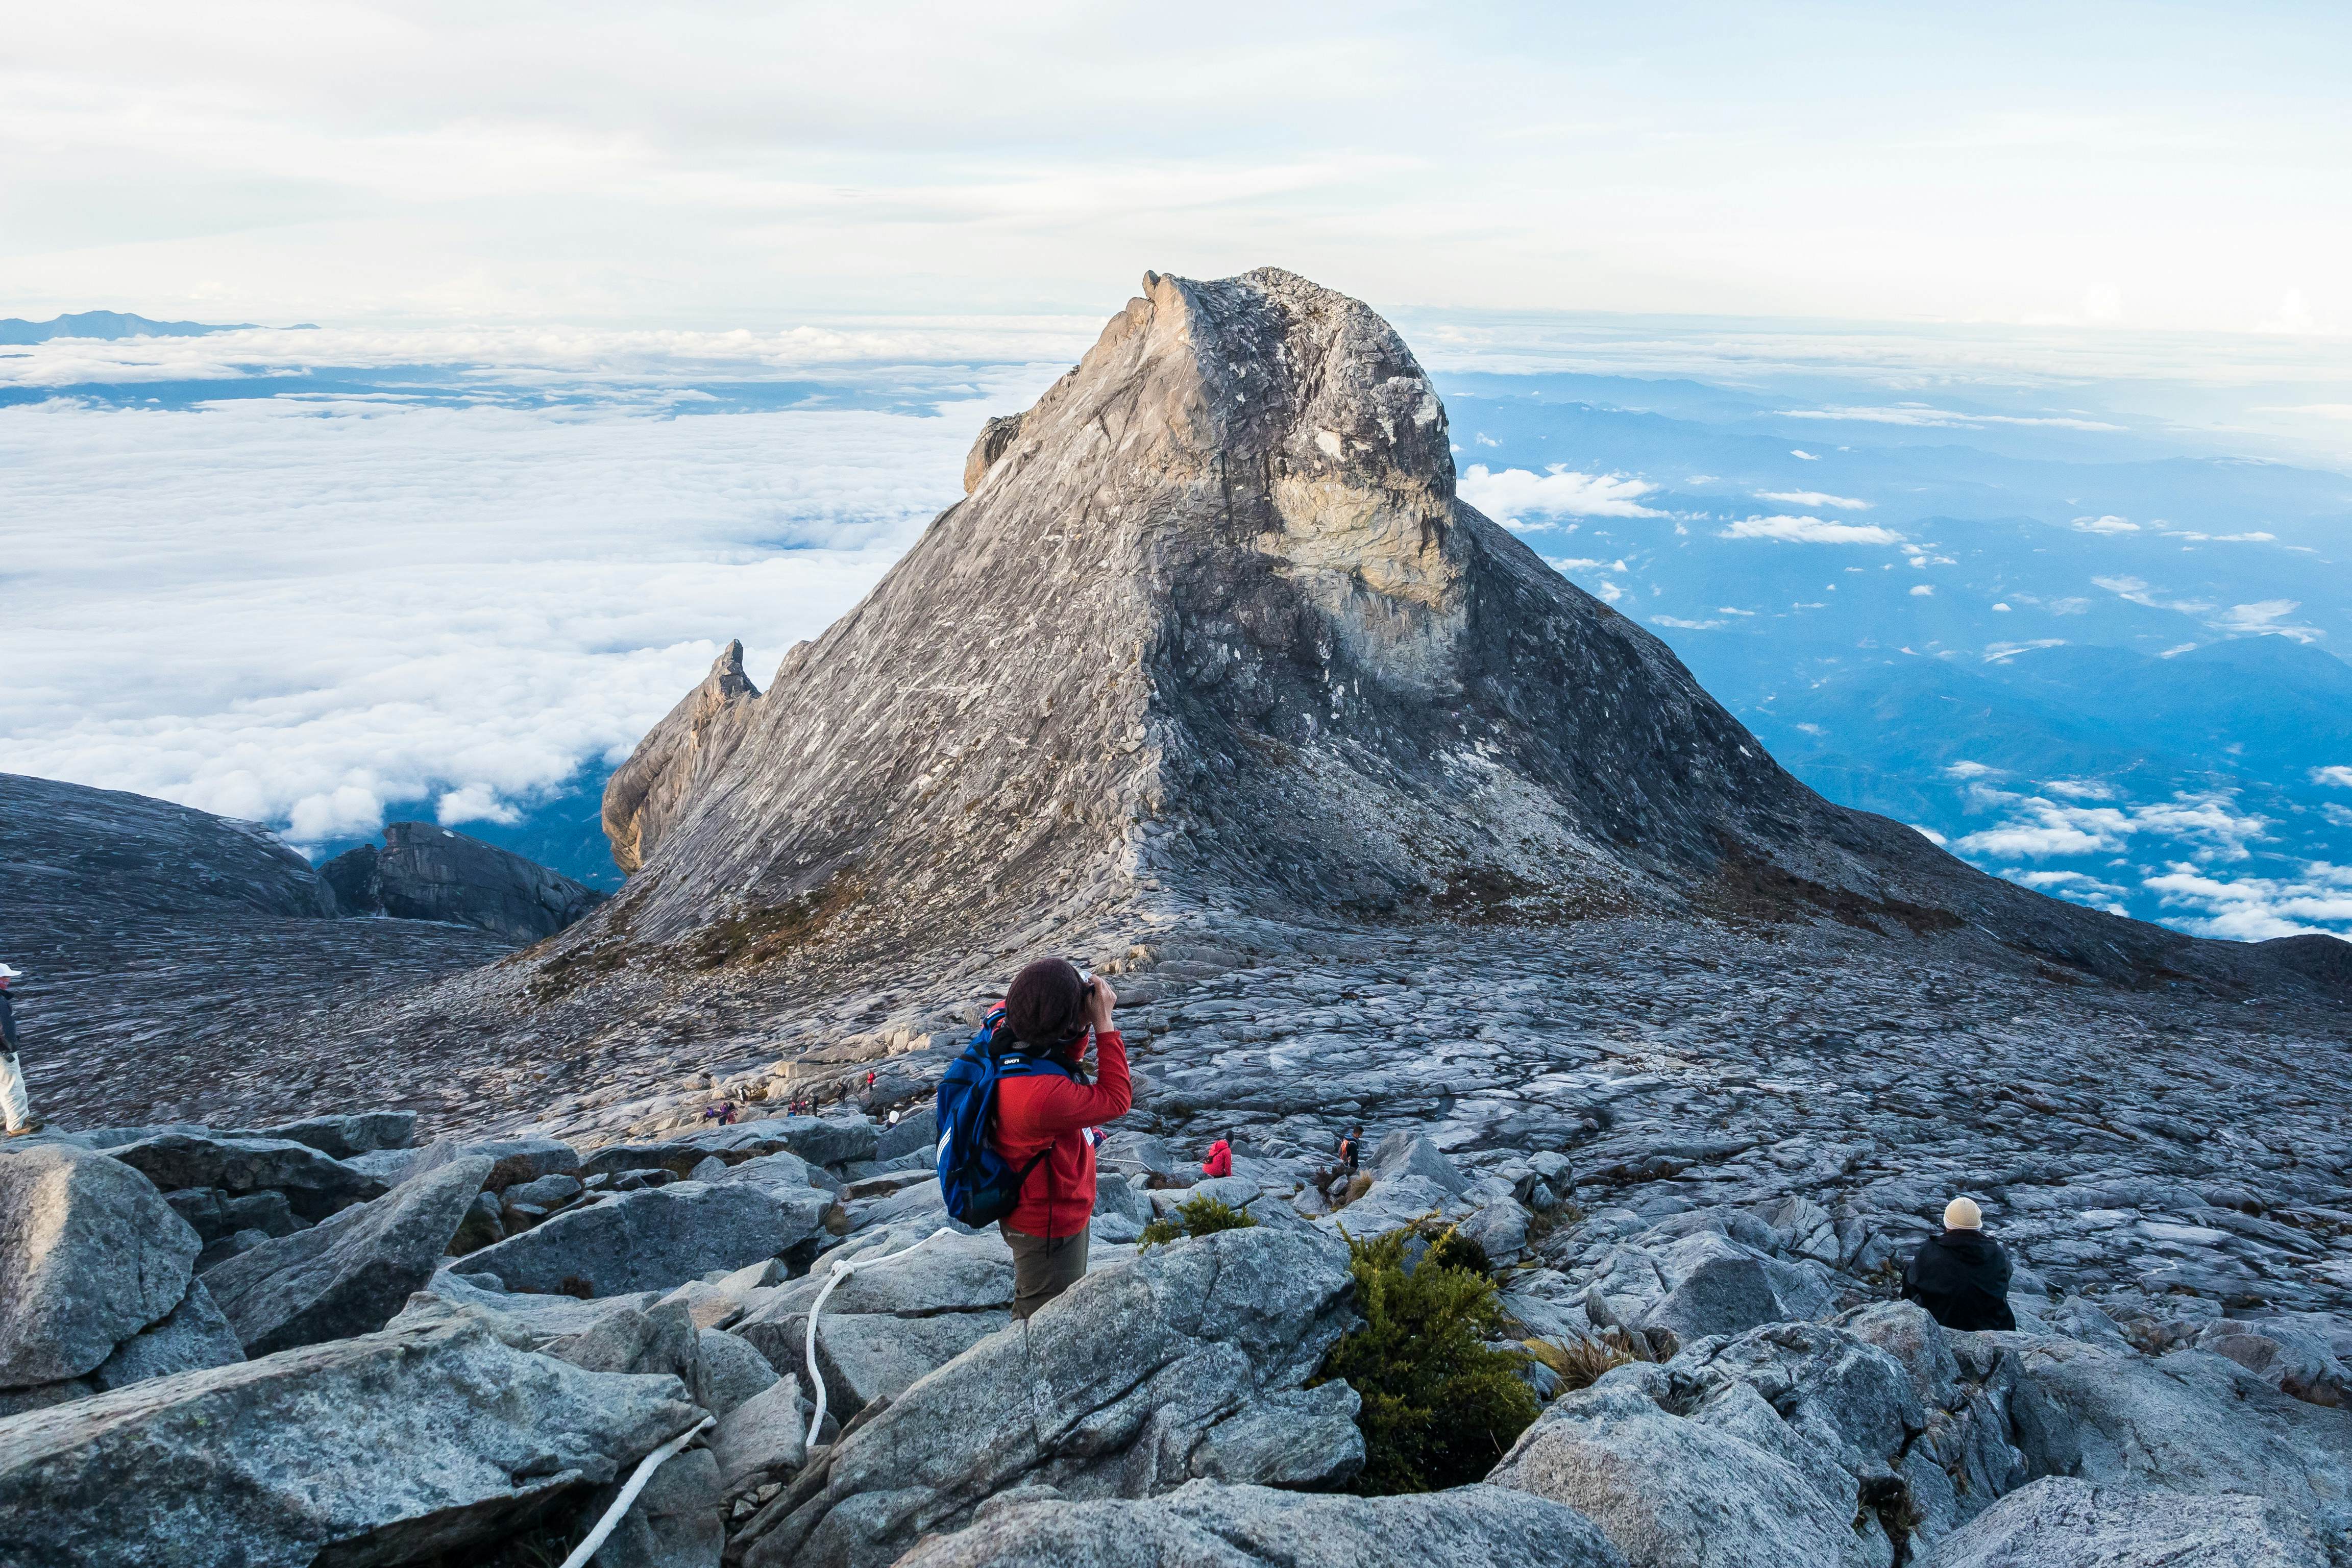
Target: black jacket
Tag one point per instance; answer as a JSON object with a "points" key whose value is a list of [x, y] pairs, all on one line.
{"points": [[1961, 1277], [7, 1023]]}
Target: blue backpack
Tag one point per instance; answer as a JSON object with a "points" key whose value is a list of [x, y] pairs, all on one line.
{"points": [[981, 1186]]}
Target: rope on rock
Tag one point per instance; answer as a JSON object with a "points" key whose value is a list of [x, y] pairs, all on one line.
{"points": [[644, 1472], [841, 1271]]}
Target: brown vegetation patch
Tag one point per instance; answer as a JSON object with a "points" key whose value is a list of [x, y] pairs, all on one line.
{"points": [[1748, 887], [567, 971], [768, 931]]}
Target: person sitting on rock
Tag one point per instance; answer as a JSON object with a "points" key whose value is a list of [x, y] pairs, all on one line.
{"points": [[1961, 1277], [1050, 1009], [16, 1104], [1220, 1162]]}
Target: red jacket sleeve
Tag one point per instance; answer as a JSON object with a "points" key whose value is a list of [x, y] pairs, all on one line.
{"points": [[1058, 1105]]}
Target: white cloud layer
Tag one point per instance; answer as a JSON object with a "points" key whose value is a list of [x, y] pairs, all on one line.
{"points": [[310, 613], [1515, 494], [1813, 499], [2039, 828], [2256, 909], [1810, 530]]}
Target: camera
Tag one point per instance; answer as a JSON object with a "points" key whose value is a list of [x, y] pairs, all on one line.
{"points": [[1085, 972]]}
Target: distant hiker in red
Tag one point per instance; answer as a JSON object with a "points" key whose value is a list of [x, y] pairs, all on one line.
{"points": [[1220, 1162], [1052, 1008]]}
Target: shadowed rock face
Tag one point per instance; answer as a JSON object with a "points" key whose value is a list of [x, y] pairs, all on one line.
{"points": [[1212, 625], [676, 756], [78, 859], [429, 873]]}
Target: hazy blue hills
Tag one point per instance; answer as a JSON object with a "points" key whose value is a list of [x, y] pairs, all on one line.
{"points": [[15, 330]]}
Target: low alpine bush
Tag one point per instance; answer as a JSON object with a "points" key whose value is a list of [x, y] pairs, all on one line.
{"points": [[1202, 1216], [1439, 1406]]}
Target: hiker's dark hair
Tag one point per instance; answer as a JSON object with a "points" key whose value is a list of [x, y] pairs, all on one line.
{"points": [[1045, 1006]]}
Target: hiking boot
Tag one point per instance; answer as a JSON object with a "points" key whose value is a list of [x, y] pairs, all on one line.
{"points": [[35, 1125]]}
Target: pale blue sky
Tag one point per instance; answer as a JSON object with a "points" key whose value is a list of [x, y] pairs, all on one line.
{"points": [[2141, 166]]}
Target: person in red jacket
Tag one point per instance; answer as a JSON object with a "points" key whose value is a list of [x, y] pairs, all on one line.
{"points": [[1220, 1162], [1053, 1009]]}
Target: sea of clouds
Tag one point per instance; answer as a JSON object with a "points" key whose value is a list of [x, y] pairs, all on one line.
{"points": [[451, 590], [321, 579]]}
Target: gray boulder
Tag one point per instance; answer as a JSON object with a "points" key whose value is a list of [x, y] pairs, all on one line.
{"points": [[674, 1522], [194, 1335], [2190, 1422], [784, 1172], [1117, 1388], [2061, 1522], [651, 1240], [389, 1166], [763, 1439], [191, 1336], [1137, 1156], [513, 1160], [1407, 1154], [681, 1152], [1394, 1202], [889, 1326], [946, 1278], [316, 1185], [920, 1203], [350, 1273], [733, 1373], [1206, 1525], [522, 1317], [1668, 1489], [267, 1211], [547, 1192], [1305, 1437], [1501, 1228], [825, 1140], [1705, 1283], [660, 1338], [345, 1135], [89, 1255], [1115, 1196], [918, 1130], [867, 1357], [2288, 1355], [440, 1436]]}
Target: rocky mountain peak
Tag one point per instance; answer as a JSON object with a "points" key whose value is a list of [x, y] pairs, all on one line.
{"points": [[1211, 627]]}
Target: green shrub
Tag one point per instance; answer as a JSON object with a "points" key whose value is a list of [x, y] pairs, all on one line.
{"points": [[1438, 1406], [1195, 1216], [1452, 1249]]}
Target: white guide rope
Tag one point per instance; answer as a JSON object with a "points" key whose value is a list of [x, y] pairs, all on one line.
{"points": [[644, 1472], [841, 1271]]}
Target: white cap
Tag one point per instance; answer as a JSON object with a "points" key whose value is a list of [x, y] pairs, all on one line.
{"points": [[8, 973]]}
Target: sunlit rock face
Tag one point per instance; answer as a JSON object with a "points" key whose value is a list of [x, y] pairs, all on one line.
{"points": [[1211, 624]]}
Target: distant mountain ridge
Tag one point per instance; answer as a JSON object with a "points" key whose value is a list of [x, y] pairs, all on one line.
{"points": [[113, 325]]}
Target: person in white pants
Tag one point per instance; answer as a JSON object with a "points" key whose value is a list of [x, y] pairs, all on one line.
{"points": [[14, 1102]]}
